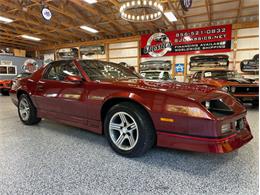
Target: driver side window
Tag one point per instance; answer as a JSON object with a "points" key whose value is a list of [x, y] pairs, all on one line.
{"points": [[60, 70]]}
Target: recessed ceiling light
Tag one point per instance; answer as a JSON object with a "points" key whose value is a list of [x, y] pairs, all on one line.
{"points": [[31, 38], [5, 20], [171, 17], [89, 29], [90, 1]]}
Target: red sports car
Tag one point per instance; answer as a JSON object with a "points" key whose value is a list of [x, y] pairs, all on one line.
{"points": [[134, 114]]}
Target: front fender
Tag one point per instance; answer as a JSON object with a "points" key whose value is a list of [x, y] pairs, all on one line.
{"points": [[129, 96]]}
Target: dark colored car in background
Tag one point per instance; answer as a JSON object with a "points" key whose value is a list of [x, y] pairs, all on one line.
{"points": [[134, 114], [250, 65], [246, 90], [208, 61]]}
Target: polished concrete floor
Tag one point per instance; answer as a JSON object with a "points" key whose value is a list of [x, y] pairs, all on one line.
{"points": [[52, 158]]}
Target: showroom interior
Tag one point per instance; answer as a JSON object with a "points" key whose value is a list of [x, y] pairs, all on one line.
{"points": [[129, 97]]}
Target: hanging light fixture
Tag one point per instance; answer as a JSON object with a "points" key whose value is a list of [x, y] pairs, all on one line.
{"points": [[141, 10]]}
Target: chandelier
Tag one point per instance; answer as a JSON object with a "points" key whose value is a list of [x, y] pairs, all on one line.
{"points": [[141, 10]]}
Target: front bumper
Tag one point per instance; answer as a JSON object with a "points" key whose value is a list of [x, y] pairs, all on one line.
{"points": [[200, 144]]}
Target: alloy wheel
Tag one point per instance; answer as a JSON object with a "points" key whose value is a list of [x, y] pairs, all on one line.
{"points": [[123, 131], [24, 109]]}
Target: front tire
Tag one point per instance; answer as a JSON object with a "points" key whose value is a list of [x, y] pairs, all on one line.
{"points": [[129, 129], [27, 111]]}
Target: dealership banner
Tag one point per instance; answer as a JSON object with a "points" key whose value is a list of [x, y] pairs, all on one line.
{"points": [[191, 41]]}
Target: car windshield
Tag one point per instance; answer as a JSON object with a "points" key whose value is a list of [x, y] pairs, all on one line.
{"points": [[100, 70], [222, 74], [151, 75]]}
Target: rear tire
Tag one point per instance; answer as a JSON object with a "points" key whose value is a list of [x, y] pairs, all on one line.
{"points": [[27, 111], [129, 129]]}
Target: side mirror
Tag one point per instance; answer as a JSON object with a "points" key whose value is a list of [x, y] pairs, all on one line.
{"points": [[74, 79]]}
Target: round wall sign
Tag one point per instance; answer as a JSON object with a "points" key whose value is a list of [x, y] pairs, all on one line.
{"points": [[46, 13], [158, 45], [186, 4]]}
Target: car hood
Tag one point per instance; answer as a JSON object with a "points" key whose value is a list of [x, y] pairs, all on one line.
{"points": [[171, 88], [235, 81]]}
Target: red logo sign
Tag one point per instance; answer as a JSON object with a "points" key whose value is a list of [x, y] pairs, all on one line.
{"points": [[198, 40]]}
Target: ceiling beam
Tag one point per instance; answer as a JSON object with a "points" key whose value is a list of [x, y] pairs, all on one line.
{"points": [[183, 14], [240, 6], [8, 36], [218, 19], [217, 12], [207, 3], [72, 16], [117, 5], [173, 8], [22, 29], [4, 45], [97, 12], [37, 31], [14, 43], [27, 18], [202, 6], [11, 41], [96, 42]]}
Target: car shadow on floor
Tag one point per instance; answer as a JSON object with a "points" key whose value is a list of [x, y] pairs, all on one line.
{"points": [[193, 163]]}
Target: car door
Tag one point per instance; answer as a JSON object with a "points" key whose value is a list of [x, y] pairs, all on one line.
{"points": [[59, 97]]}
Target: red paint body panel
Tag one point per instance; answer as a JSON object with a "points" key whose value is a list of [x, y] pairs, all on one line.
{"points": [[198, 144], [80, 104]]}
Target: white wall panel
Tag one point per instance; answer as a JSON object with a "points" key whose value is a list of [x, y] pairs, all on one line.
{"points": [[123, 45], [123, 53], [101, 56], [247, 31], [248, 43], [179, 59], [242, 55], [120, 55], [94, 57]]}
